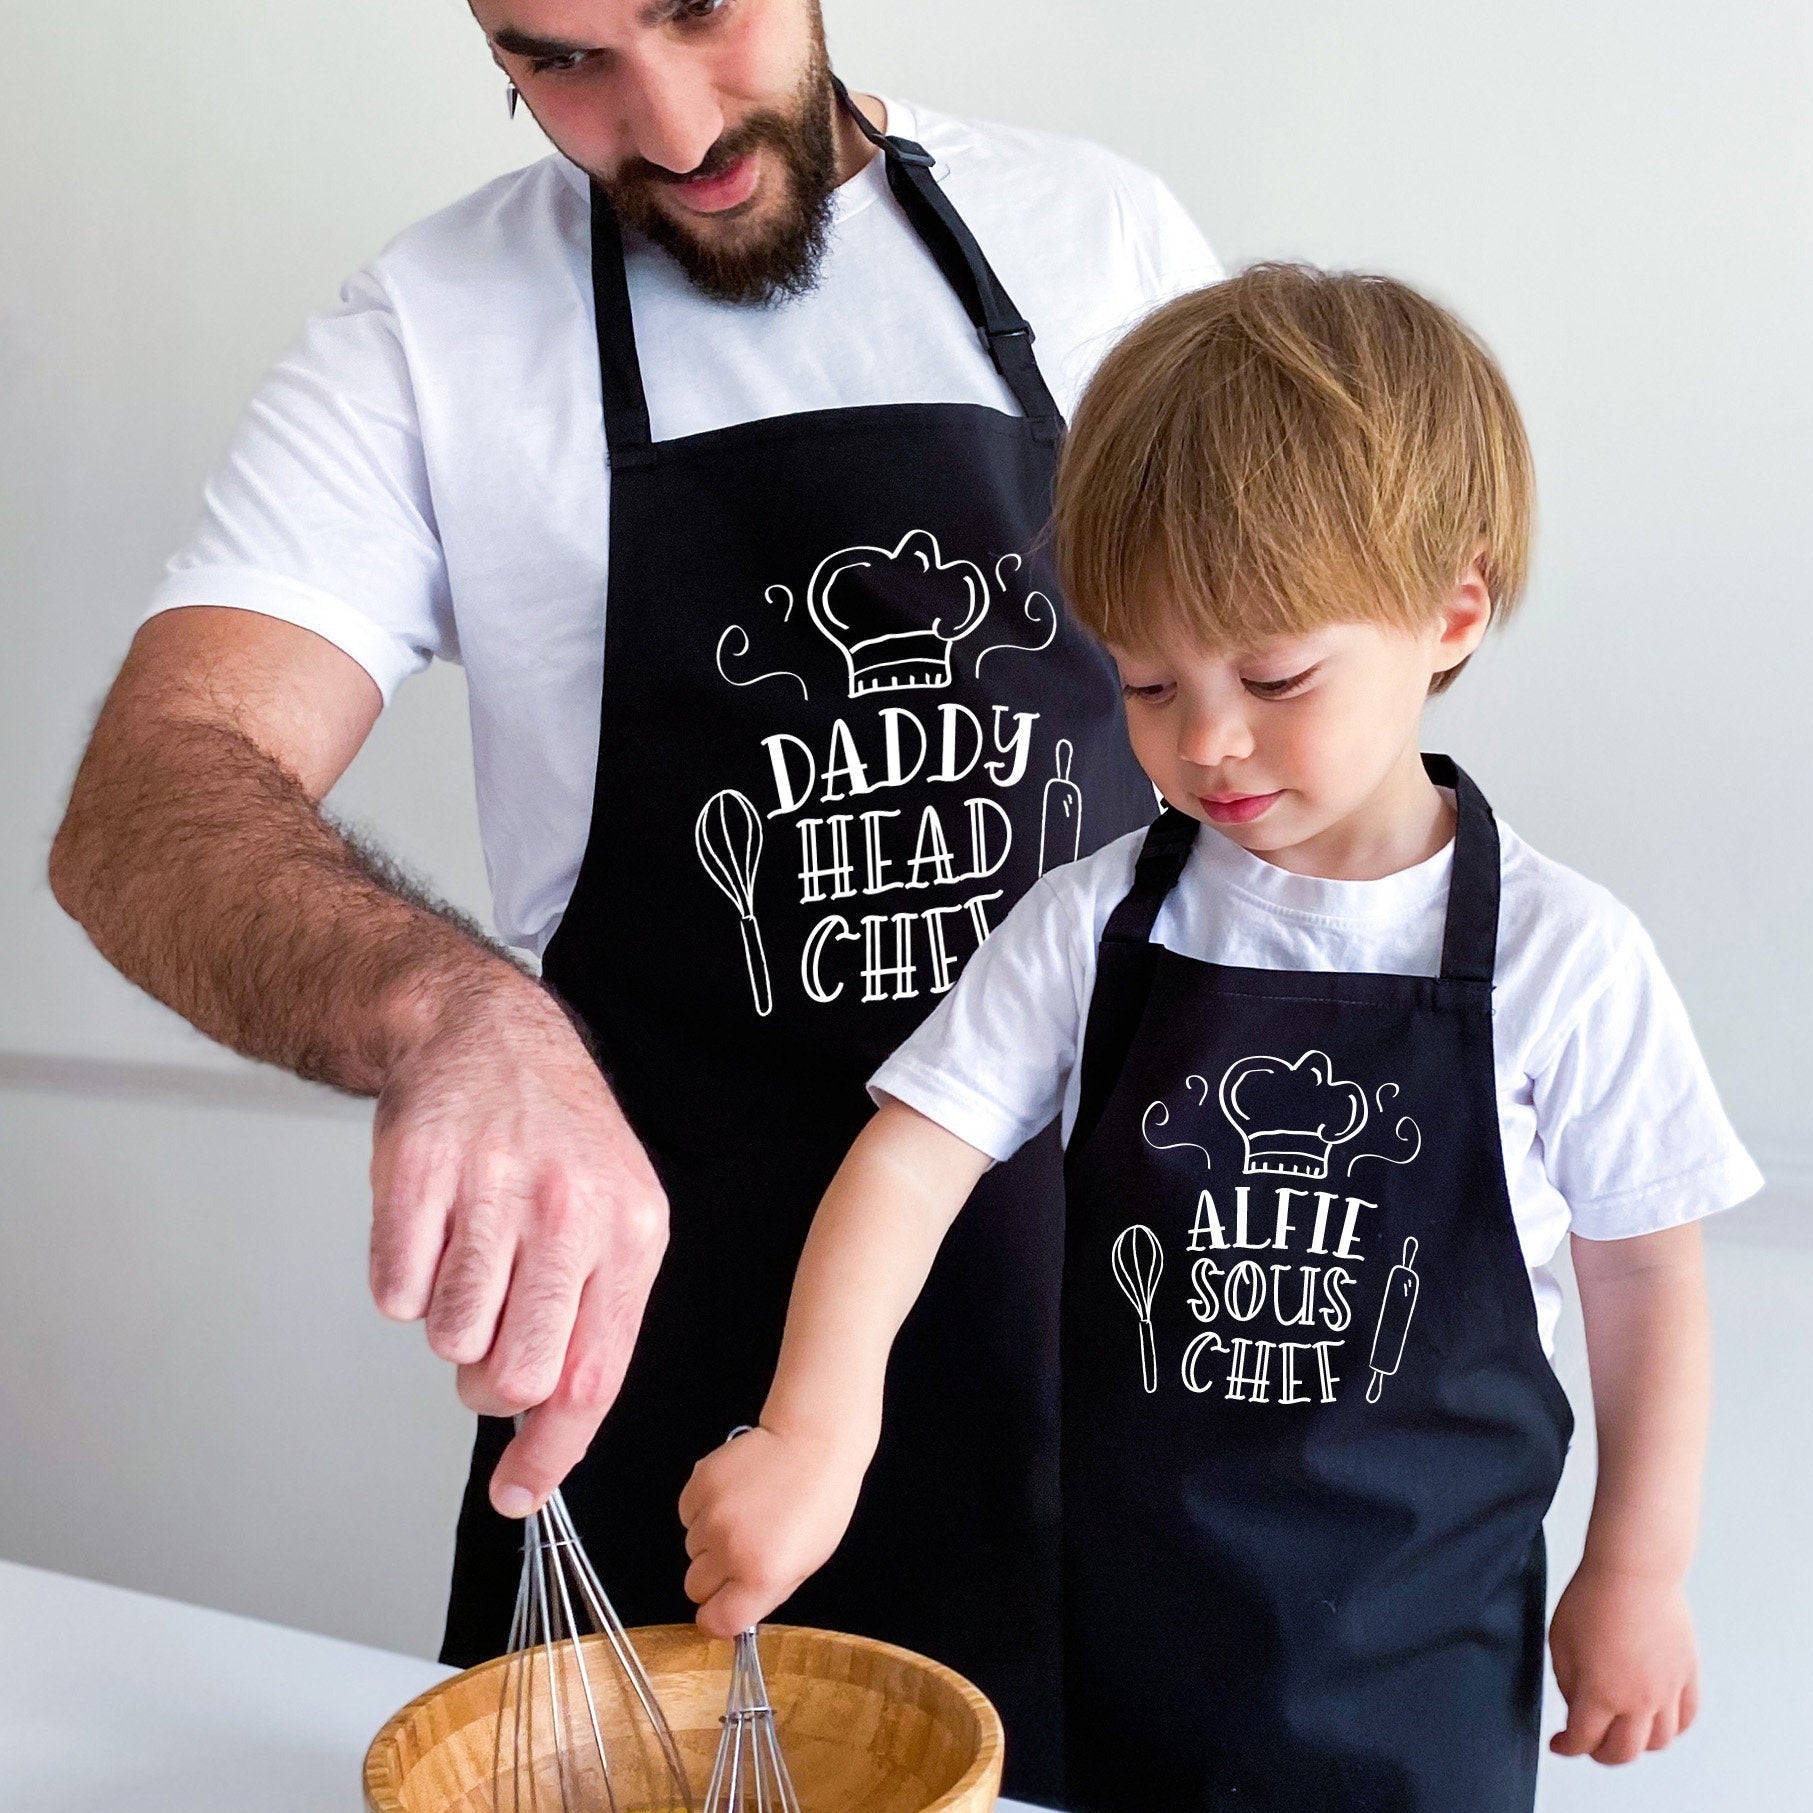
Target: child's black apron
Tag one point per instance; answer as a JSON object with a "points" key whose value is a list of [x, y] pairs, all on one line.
{"points": [[843, 729], [1309, 1429]]}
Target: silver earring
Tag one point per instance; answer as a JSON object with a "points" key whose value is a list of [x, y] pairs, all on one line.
{"points": [[511, 97]]}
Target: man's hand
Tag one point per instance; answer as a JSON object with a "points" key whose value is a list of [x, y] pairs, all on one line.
{"points": [[762, 1513], [1624, 1660], [513, 1208]]}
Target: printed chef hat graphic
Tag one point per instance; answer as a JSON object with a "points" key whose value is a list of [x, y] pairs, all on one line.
{"points": [[895, 612], [1291, 1115]]}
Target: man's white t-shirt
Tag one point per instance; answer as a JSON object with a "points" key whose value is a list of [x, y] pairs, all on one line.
{"points": [[1610, 1123], [424, 473]]}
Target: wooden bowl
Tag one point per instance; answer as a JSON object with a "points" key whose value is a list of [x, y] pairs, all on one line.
{"points": [[864, 1726]]}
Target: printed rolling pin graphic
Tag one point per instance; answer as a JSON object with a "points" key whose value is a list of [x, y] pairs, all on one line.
{"points": [[1061, 823], [1138, 1261], [1394, 1321], [729, 840]]}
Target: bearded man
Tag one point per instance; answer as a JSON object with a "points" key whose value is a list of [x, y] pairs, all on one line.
{"points": [[717, 446]]}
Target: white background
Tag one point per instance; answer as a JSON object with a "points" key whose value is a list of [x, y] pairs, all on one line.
{"points": [[196, 1397]]}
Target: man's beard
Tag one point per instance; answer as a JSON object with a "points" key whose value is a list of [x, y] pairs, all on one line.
{"points": [[783, 260]]}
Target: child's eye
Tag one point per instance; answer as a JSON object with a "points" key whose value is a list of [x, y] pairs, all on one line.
{"points": [[1279, 689], [1155, 694]]}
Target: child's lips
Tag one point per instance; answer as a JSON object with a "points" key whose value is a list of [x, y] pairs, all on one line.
{"points": [[1235, 808]]}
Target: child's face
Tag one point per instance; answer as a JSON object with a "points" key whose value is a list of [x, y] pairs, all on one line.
{"points": [[1305, 743]]}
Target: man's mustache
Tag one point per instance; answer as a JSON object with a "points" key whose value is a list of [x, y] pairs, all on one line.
{"points": [[758, 130]]}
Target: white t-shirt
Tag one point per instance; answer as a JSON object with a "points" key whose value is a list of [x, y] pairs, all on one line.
{"points": [[424, 473], [1610, 1123]]}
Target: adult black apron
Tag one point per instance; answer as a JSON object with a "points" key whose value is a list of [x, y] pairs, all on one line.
{"points": [[1309, 1429], [845, 725]]}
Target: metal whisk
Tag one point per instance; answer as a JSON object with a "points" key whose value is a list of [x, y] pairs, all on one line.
{"points": [[750, 1774], [578, 1724]]}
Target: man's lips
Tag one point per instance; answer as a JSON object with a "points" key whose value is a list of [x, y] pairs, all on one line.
{"points": [[717, 194], [1235, 808]]}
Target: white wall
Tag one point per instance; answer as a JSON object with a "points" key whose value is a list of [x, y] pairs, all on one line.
{"points": [[196, 1398]]}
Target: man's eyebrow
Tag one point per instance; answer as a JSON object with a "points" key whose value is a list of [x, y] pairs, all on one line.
{"points": [[527, 44]]}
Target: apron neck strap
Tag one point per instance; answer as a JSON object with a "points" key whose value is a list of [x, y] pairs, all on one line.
{"points": [[1003, 330], [1469, 938], [626, 432], [1169, 839]]}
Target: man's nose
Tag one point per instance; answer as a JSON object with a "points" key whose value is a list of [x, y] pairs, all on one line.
{"points": [[672, 112]]}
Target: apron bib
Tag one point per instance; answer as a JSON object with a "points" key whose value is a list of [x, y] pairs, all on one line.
{"points": [[845, 725], [1309, 1430]]}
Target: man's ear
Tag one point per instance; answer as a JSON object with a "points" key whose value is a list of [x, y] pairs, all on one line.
{"points": [[1466, 615]]}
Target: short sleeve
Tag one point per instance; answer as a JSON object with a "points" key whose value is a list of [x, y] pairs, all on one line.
{"points": [[1632, 1130], [320, 512], [990, 1064], [1167, 246]]}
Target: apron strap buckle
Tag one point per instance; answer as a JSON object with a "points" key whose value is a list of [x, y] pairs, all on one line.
{"points": [[990, 336], [909, 151]]}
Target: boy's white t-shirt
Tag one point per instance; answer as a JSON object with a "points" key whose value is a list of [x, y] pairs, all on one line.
{"points": [[423, 475], [1610, 1122]]}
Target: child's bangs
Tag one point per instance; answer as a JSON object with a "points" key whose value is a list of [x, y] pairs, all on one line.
{"points": [[1228, 567], [1234, 600]]}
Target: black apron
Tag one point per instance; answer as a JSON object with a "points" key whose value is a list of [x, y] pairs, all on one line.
{"points": [[1309, 1429], [845, 725]]}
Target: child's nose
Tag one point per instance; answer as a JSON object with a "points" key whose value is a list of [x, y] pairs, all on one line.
{"points": [[1209, 738]]}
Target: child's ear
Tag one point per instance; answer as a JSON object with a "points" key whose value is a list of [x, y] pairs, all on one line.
{"points": [[1466, 615]]}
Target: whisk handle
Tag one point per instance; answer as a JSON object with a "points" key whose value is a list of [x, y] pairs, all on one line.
{"points": [[756, 958]]}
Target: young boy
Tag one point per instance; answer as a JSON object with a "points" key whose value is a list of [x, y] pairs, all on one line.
{"points": [[1336, 1075]]}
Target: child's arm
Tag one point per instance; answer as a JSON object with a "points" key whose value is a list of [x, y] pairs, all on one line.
{"points": [[768, 1509], [1622, 1637]]}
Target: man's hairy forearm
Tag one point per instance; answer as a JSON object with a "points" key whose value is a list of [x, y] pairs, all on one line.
{"points": [[205, 873], [514, 1211]]}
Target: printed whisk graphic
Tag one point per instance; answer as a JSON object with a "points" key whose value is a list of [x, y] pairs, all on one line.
{"points": [[729, 840], [1138, 1261]]}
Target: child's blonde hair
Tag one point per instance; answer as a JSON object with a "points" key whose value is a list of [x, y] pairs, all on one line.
{"points": [[1291, 448]]}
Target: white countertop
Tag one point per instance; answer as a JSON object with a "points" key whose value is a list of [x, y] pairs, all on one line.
{"points": [[112, 1700]]}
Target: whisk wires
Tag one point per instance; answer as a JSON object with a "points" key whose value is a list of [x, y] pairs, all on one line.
{"points": [[750, 1775], [548, 1677]]}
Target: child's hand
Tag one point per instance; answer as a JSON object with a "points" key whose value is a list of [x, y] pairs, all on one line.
{"points": [[1624, 1659], [762, 1513]]}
